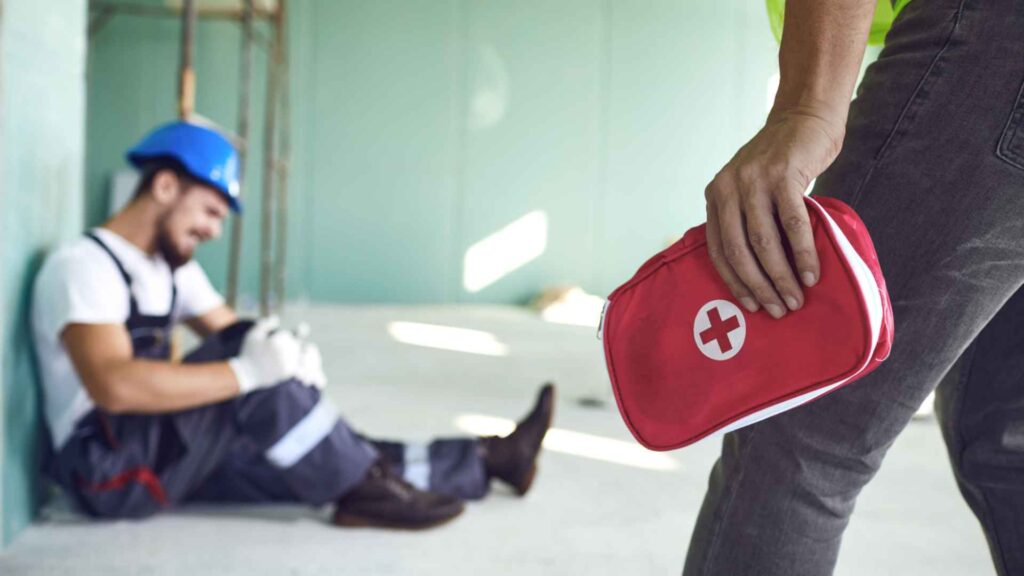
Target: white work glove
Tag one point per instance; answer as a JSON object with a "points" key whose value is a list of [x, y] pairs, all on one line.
{"points": [[311, 367], [268, 356], [311, 364]]}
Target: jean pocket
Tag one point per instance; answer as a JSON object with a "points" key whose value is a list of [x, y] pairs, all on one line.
{"points": [[1011, 143]]}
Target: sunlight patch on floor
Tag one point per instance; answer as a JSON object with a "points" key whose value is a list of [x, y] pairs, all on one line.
{"points": [[575, 443]]}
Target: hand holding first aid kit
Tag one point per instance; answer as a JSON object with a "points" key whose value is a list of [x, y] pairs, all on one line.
{"points": [[686, 361]]}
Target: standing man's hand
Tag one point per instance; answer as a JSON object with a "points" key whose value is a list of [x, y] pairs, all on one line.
{"points": [[760, 191], [755, 203]]}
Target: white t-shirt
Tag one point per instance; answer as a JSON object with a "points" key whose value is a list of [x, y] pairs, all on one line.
{"points": [[80, 283]]}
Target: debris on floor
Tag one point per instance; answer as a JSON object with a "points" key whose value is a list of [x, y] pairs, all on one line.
{"points": [[569, 305]]}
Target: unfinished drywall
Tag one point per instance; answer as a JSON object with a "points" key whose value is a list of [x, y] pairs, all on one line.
{"points": [[462, 150], [42, 104]]}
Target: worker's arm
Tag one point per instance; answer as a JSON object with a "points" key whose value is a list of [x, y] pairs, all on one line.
{"points": [[102, 356], [822, 47], [213, 321], [117, 382]]}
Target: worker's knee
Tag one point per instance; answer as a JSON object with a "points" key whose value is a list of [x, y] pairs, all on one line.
{"points": [[270, 412], [291, 393]]}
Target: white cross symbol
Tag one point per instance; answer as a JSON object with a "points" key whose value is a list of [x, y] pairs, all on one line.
{"points": [[719, 330]]}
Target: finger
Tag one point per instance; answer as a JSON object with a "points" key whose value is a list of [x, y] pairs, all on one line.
{"points": [[318, 368], [288, 346], [764, 237], [311, 354], [265, 326], [797, 226], [312, 367], [274, 321], [286, 338], [737, 251], [722, 266], [318, 380]]}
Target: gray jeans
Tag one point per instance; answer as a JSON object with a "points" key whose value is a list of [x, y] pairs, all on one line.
{"points": [[933, 162]]}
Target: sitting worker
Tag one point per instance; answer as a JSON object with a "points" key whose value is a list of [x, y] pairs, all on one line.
{"points": [[242, 419]]}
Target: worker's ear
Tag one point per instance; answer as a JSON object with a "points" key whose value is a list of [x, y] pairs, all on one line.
{"points": [[166, 187]]}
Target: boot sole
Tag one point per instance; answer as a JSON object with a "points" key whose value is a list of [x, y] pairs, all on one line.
{"points": [[352, 521]]}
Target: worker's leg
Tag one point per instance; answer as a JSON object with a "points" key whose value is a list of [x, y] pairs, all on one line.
{"points": [[294, 447], [464, 467], [453, 466], [120, 465], [932, 163], [244, 476], [981, 410], [133, 466], [280, 443], [293, 444], [459, 467]]}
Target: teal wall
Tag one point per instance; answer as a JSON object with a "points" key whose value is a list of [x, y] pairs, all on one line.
{"points": [[421, 128], [42, 132]]}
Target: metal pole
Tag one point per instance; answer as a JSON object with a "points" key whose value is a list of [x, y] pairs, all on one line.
{"points": [[245, 82], [280, 259], [155, 10], [187, 77], [266, 221]]}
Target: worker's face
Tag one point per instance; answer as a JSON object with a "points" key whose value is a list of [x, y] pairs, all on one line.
{"points": [[194, 214]]}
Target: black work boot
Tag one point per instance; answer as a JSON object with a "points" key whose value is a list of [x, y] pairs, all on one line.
{"points": [[513, 458], [384, 500]]}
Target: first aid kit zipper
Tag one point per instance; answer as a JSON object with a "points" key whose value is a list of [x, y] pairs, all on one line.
{"points": [[600, 325]]}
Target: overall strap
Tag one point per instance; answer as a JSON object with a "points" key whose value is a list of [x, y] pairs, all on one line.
{"points": [[174, 296], [128, 279], [124, 273]]}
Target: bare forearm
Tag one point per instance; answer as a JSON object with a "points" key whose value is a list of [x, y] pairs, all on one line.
{"points": [[149, 386], [823, 45], [764, 182], [213, 321]]}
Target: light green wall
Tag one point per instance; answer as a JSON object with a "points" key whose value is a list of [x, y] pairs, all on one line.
{"points": [[42, 125], [421, 128]]}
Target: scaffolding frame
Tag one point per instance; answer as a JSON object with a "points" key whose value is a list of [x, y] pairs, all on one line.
{"points": [[276, 136]]}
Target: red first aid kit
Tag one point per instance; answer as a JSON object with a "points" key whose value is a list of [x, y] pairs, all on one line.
{"points": [[687, 361]]}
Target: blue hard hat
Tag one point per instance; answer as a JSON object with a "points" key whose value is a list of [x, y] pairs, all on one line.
{"points": [[204, 153]]}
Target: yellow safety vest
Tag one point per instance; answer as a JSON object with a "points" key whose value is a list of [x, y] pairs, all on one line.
{"points": [[885, 13]]}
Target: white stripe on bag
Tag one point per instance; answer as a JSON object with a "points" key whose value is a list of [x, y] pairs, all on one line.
{"points": [[304, 436], [417, 466]]}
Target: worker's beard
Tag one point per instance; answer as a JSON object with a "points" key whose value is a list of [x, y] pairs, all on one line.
{"points": [[175, 257]]}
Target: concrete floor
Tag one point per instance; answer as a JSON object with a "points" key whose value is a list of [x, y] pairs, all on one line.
{"points": [[584, 516]]}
